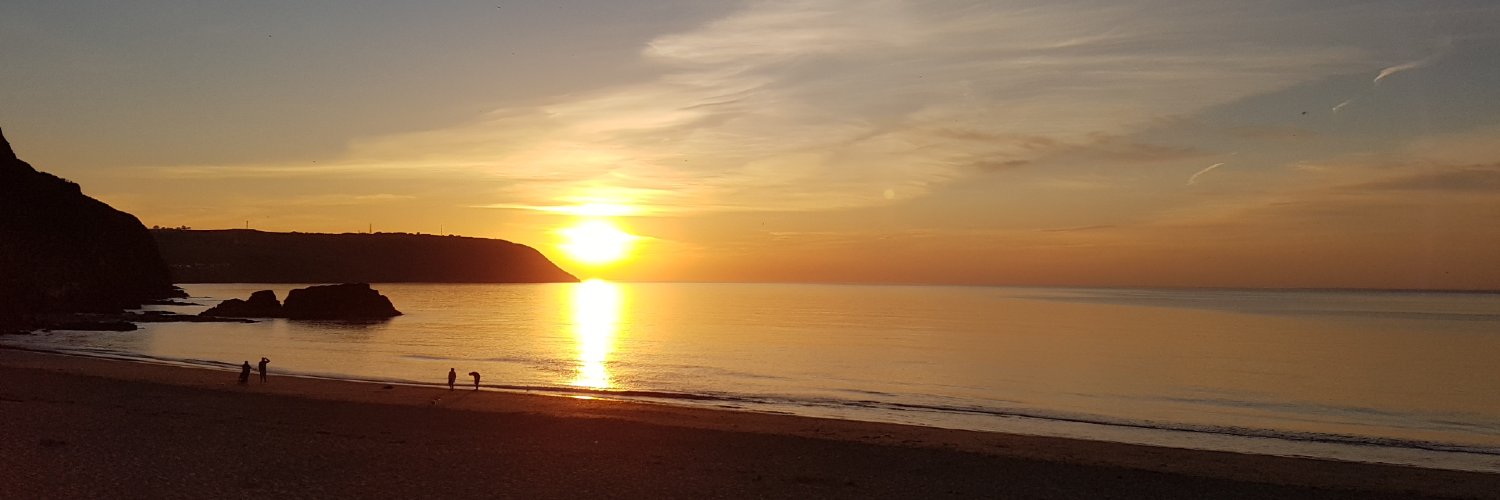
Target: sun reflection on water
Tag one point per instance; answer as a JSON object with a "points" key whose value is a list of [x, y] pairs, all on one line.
{"points": [[596, 319]]}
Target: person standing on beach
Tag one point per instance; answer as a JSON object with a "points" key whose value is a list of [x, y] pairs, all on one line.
{"points": [[452, 377], [245, 373], [263, 363], [476, 379]]}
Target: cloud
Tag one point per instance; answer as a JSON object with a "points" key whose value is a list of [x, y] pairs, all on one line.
{"points": [[1021, 150], [1194, 179], [1115, 148], [1471, 178], [585, 209], [1075, 229], [331, 200], [1408, 66], [832, 104], [1399, 68], [996, 166], [1282, 133], [1421, 182]]}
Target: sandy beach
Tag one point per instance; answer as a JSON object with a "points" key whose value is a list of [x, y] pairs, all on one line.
{"points": [[77, 427]]}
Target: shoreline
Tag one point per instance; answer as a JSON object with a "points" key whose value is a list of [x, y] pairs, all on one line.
{"points": [[1397, 455], [35, 376]]}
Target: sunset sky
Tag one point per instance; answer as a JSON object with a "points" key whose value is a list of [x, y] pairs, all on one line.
{"points": [[1181, 143]]}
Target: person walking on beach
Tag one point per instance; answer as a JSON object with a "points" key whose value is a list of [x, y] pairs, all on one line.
{"points": [[452, 377], [263, 363], [245, 373], [476, 379]]}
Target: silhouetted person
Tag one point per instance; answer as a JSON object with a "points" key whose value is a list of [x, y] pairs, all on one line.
{"points": [[476, 379], [452, 377], [245, 373], [263, 363]]}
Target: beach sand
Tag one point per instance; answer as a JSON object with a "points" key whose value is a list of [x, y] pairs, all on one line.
{"points": [[75, 427]]}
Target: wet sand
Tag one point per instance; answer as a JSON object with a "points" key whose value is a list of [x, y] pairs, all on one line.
{"points": [[73, 427]]}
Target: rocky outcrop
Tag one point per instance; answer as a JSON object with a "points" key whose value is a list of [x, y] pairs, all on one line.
{"points": [[262, 304], [349, 301], [346, 301], [62, 251], [248, 256]]}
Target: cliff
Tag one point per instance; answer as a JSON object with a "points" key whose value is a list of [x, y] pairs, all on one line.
{"points": [[62, 251], [249, 256]]}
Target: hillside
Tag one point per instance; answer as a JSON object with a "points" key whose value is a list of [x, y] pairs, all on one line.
{"points": [[62, 251], [250, 256]]}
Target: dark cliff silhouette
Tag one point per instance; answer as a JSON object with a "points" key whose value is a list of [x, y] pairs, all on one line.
{"points": [[249, 256], [62, 251]]}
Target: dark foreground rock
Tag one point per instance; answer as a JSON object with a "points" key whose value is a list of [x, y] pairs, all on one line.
{"points": [[62, 251], [112, 322], [262, 304], [346, 301], [170, 302], [349, 301], [166, 317]]}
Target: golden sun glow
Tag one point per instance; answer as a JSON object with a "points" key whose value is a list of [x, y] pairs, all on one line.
{"points": [[596, 241]]}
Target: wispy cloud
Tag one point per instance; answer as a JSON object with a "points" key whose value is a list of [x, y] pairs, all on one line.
{"points": [[329, 200], [1282, 133], [1075, 229], [1468, 178], [1408, 66], [829, 104], [1194, 179], [1399, 68]]}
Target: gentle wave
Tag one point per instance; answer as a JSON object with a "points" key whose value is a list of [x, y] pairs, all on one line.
{"points": [[1313, 437], [1261, 302]]}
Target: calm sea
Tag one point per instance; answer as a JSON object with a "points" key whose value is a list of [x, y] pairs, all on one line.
{"points": [[1409, 378]]}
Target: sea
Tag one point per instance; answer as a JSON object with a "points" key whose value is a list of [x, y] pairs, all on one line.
{"points": [[1407, 378]]}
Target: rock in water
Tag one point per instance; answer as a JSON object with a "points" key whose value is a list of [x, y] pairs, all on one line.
{"points": [[346, 301], [62, 251], [262, 304]]}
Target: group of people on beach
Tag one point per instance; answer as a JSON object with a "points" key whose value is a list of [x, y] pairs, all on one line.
{"points": [[245, 374], [245, 371], [453, 377]]}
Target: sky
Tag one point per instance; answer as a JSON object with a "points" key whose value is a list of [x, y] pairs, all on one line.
{"points": [[1324, 144]]}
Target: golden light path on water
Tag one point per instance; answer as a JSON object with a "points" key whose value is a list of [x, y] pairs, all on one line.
{"points": [[596, 320]]}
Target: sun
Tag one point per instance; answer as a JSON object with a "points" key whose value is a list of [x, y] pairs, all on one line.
{"points": [[596, 241]]}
